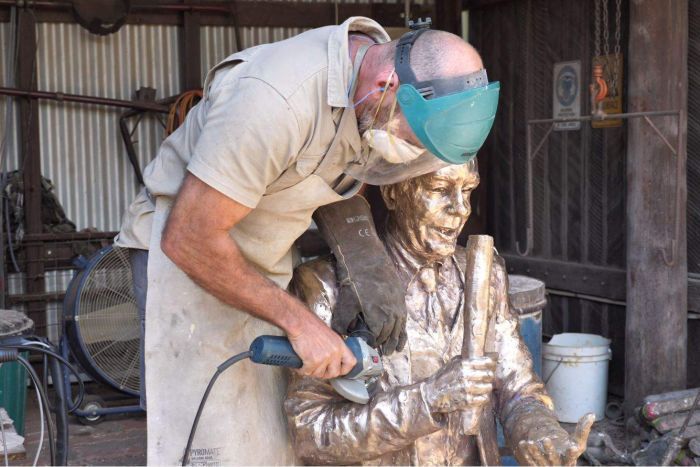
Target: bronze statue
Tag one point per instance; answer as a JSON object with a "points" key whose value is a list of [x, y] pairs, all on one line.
{"points": [[419, 407]]}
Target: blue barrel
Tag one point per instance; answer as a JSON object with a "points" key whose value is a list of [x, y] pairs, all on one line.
{"points": [[527, 300]]}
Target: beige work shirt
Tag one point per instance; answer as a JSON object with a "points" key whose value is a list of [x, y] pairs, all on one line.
{"points": [[268, 117]]}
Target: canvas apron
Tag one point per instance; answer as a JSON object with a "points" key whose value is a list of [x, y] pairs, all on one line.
{"points": [[189, 333]]}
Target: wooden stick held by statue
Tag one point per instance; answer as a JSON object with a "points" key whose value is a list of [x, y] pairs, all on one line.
{"points": [[477, 282]]}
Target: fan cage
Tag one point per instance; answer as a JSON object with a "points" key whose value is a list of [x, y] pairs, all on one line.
{"points": [[103, 325]]}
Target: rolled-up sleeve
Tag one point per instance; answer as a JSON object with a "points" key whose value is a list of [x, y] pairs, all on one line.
{"points": [[250, 136]]}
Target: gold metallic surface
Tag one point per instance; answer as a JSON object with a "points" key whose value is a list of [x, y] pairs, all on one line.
{"points": [[410, 419], [479, 257], [477, 278]]}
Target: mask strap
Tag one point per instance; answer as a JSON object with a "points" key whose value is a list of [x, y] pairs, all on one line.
{"points": [[381, 99], [374, 91], [391, 117]]}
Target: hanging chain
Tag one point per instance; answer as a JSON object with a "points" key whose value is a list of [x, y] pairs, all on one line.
{"points": [[618, 16], [617, 60], [597, 28], [606, 29]]}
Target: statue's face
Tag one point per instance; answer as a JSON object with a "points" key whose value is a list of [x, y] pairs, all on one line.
{"points": [[428, 212]]}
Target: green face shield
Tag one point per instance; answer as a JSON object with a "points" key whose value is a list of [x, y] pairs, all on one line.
{"points": [[452, 127], [450, 116]]}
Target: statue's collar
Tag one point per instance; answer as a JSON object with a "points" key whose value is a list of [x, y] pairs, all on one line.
{"points": [[407, 262]]}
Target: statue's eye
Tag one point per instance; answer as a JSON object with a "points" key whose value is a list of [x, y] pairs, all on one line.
{"points": [[440, 190]]}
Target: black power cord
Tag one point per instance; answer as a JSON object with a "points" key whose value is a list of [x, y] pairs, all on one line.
{"points": [[45, 402], [10, 348], [46, 352], [220, 369]]}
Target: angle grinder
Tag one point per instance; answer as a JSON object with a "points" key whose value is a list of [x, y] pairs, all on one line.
{"points": [[278, 351]]}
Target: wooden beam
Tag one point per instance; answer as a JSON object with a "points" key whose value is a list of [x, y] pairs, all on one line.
{"points": [[585, 279], [31, 164], [476, 4], [263, 13], [656, 318]]}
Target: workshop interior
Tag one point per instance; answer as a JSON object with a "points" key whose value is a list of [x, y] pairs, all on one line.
{"points": [[587, 210]]}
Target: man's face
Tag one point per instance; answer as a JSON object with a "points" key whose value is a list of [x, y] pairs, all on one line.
{"points": [[428, 212]]}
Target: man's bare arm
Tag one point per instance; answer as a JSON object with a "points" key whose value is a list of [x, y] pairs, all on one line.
{"points": [[196, 238]]}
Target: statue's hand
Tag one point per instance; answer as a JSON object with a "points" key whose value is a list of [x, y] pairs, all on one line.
{"points": [[547, 443], [461, 384]]}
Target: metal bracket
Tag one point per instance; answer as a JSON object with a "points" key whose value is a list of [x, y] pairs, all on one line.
{"points": [[669, 255]]}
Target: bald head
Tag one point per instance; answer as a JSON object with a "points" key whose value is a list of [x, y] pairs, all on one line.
{"points": [[439, 54], [434, 55]]}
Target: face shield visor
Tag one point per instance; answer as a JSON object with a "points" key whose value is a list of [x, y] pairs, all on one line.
{"points": [[451, 117]]}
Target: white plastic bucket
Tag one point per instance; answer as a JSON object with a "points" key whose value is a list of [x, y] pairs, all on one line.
{"points": [[575, 370]]}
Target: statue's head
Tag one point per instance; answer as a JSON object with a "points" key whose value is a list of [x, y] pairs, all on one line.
{"points": [[427, 213]]}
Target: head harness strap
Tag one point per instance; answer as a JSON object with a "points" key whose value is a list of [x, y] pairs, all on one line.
{"points": [[433, 87]]}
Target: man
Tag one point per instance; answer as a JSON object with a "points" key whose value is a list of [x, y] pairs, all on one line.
{"points": [[282, 129], [416, 415]]}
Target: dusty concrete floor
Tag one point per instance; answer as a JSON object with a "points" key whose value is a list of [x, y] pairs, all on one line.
{"points": [[118, 440], [121, 439]]}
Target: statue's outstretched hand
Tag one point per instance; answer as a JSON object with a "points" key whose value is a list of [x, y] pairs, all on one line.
{"points": [[549, 444]]}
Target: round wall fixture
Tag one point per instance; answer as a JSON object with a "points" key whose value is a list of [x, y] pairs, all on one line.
{"points": [[101, 16]]}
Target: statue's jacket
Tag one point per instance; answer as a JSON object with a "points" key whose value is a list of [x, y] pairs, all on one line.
{"points": [[396, 427]]}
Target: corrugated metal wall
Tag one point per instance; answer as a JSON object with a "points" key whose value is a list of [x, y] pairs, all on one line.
{"points": [[579, 176], [6, 57], [81, 148]]}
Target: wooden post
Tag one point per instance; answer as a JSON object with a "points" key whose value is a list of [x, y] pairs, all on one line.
{"points": [[31, 166], [656, 322], [448, 16], [190, 55]]}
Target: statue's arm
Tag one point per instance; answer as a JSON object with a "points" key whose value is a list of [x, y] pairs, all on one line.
{"points": [[523, 402], [327, 429]]}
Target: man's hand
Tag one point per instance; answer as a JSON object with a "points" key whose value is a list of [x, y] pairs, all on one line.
{"points": [[196, 238], [323, 352], [548, 443], [462, 384]]}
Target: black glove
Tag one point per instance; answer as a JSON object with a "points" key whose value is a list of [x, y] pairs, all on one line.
{"points": [[368, 283]]}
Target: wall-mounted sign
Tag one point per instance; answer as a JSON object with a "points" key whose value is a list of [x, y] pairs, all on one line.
{"points": [[567, 94]]}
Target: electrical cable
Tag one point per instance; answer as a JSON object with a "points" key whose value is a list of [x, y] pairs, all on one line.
{"points": [[41, 429], [71, 368], [10, 246], [37, 384], [220, 369]]}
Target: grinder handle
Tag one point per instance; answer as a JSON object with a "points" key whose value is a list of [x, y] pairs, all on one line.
{"points": [[274, 350], [278, 351]]}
